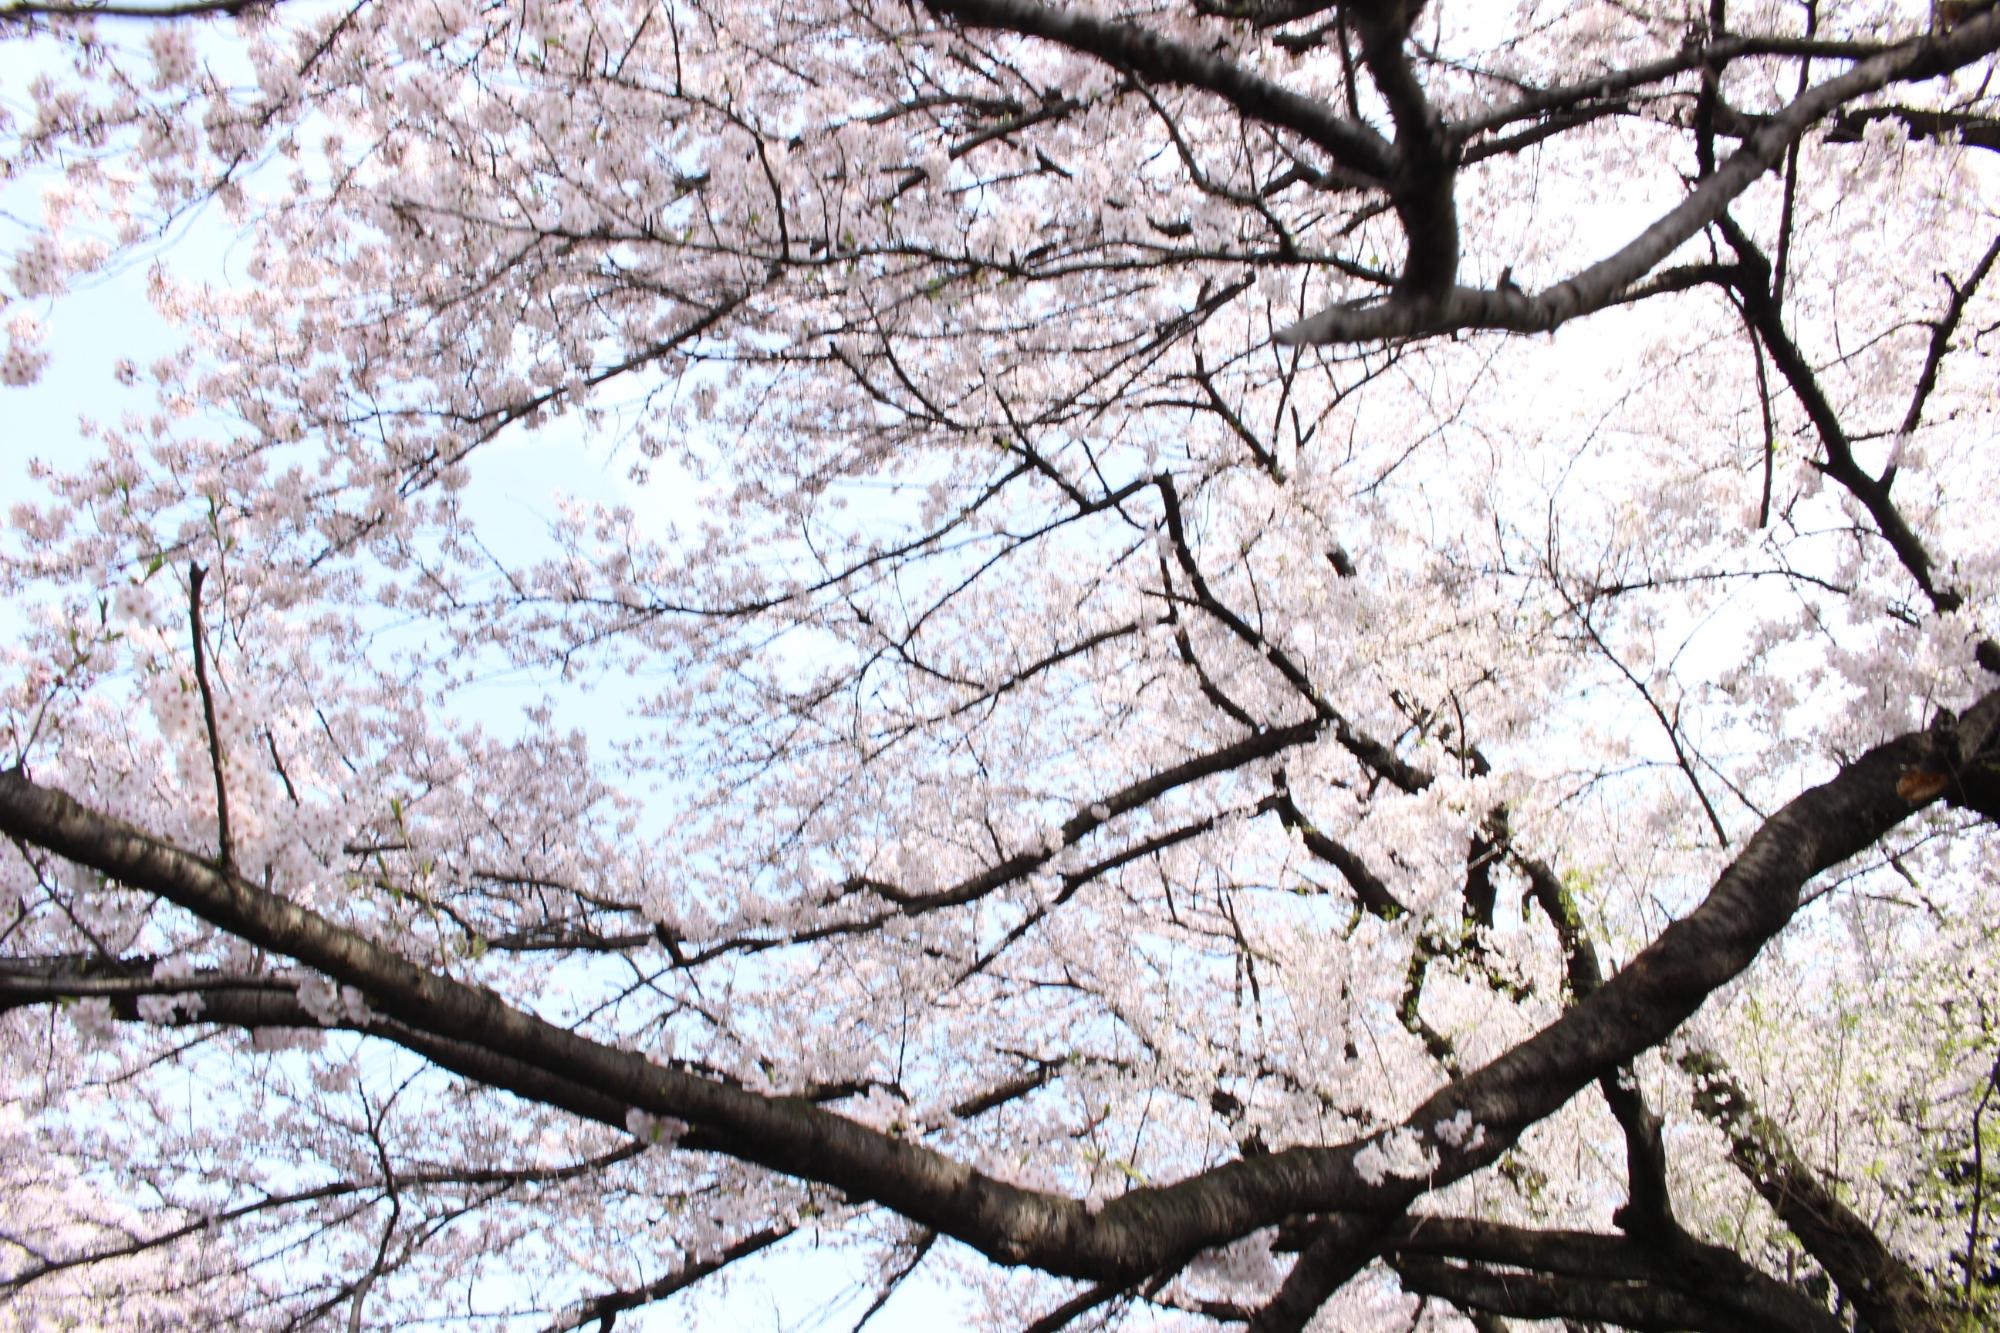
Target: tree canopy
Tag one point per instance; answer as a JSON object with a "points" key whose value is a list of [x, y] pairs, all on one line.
{"points": [[1237, 662]]}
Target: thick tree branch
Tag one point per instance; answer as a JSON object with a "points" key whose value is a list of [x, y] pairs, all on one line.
{"points": [[1426, 157], [1877, 1282], [1974, 131], [1631, 1305], [1340, 1247], [1157, 60], [1137, 1234], [1670, 1263], [1603, 283]]}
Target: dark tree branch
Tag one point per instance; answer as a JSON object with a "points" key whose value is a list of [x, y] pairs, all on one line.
{"points": [[1426, 157], [1648, 1207], [1602, 87], [1075, 880], [1340, 1247], [925, 1242], [604, 1308], [1378, 757], [1225, 759], [1787, 209], [1372, 893], [1632, 1305], [1941, 332], [1076, 1307], [1669, 1260], [1265, 13], [1668, 724], [476, 1177], [1126, 46], [1974, 131], [1877, 1282], [23, 11], [1603, 283], [477, 1034], [217, 762], [1760, 309]]}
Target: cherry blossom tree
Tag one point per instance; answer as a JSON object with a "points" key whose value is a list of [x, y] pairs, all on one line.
{"points": [[1264, 662]]}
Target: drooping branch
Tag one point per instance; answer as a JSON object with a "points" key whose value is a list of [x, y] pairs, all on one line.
{"points": [[1648, 1207], [1761, 312], [1154, 58]]}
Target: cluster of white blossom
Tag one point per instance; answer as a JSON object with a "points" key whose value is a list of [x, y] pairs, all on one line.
{"points": [[654, 1130], [25, 358], [974, 680], [1400, 1152]]}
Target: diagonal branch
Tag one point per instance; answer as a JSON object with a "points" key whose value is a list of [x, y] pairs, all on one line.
{"points": [[473, 1031], [1874, 1279], [604, 1309], [1603, 283], [1941, 332], [1369, 888], [1760, 311], [1340, 1247]]}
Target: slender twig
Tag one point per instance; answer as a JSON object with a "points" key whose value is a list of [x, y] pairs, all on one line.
{"points": [[925, 1241], [1076, 1307], [1941, 332], [1766, 416]]}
